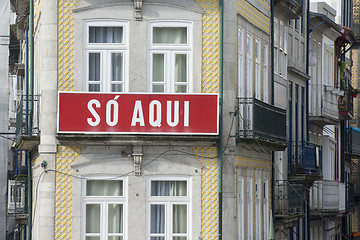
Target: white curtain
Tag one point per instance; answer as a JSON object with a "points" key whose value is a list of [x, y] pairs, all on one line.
{"points": [[117, 72], [104, 188], [179, 211], [105, 34], [170, 35], [93, 218], [115, 218]]}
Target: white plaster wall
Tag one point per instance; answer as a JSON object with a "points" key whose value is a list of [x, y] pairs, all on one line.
{"points": [[138, 38], [108, 161]]}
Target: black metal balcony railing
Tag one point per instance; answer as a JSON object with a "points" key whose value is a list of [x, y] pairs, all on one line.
{"points": [[27, 119], [261, 121], [346, 107], [352, 141], [350, 197], [306, 158], [291, 8], [288, 198]]}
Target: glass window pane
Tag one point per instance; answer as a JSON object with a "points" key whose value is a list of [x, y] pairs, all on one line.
{"points": [[181, 88], [180, 68], [168, 188], [104, 188], [115, 238], [157, 238], [117, 71], [179, 218], [116, 88], [94, 66], [93, 218], [179, 238], [158, 88], [115, 218], [157, 222], [158, 70], [106, 35], [170, 35], [92, 238], [94, 87]]}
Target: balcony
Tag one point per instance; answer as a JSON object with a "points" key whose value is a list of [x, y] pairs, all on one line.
{"points": [[290, 8], [346, 108], [327, 197], [350, 197], [305, 162], [352, 142], [289, 200], [325, 110], [259, 121], [27, 123]]}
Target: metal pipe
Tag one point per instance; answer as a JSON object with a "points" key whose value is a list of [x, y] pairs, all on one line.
{"points": [[272, 230], [31, 93], [220, 150]]}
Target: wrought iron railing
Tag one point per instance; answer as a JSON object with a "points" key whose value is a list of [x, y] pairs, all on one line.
{"points": [[262, 121], [346, 107], [305, 158], [289, 199], [352, 141], [27, 116]]}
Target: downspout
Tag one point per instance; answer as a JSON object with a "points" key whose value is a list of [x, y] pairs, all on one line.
{"points": [[220, 150], [31, 94], [272, 220], [307, 206]]}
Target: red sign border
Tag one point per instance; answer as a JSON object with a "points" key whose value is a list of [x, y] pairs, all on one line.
{"points": [[139, 133]]}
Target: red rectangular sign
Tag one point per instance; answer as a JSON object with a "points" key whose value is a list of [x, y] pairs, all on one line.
{"points": [[139, 113]]}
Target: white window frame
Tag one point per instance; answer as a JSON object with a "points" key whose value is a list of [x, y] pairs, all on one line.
{"points": [[104, 201], [249, 64], [105, 50], [241, 208], [257, 79], [250, 205], [276, 46], [266, 215], [168, 201], [241, 68], [13, 204], [265, 67], [169, 51]]}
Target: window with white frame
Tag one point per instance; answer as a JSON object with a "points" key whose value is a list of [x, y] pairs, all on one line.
{"points": [[265, 72], [104, 208], [16, 196], [250, 205], [169, 209], [170, 54], [257, 68], [106, 59], [249, 64], [241, 209], [241, 68]]}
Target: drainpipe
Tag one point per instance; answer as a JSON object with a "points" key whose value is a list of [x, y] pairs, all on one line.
{"points": [[272, 220], [221, 147], [30, 94], [307, 206]]}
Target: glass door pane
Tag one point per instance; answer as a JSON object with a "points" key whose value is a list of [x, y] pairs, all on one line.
{"points": [[157, 221], [117, 72], [115, 218], [158, 72], [94, 72], [93, 218], [179, 218]]}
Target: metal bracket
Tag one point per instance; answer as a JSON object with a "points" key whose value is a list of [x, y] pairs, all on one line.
{"points": [[138, 9]]}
